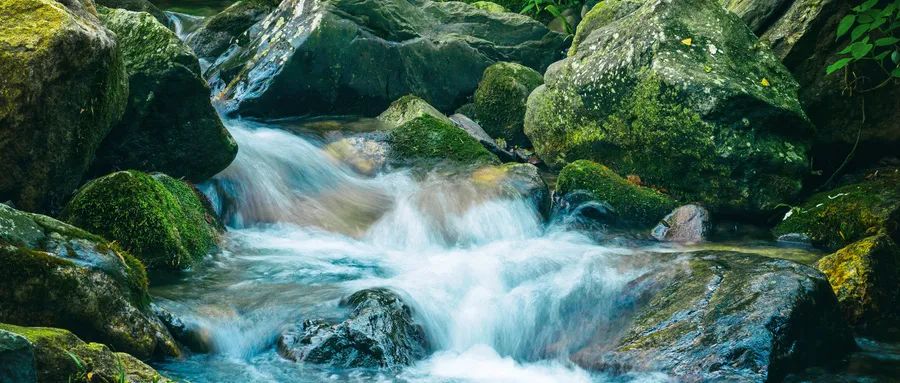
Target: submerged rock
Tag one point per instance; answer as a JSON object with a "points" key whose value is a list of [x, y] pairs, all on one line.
{"points": [[515, 180], [688, 223], [865, 277], [500, 101], [722, 316], [170, 125], [631, 203], [357, 56], [222, 30], [380, 332], [365, 153], [166, 223], [839, 217], [678, 93], [54, 274], [427, 141], [59, 356], [62, 87]]}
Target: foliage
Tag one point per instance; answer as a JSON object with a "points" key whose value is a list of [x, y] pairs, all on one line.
{"points": [[873, 29], [552, 9]]}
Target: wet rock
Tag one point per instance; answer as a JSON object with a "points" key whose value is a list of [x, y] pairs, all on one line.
{"points": [[846, 214], [229, 27], [631, 203], [54, 274], [406, 109], [169, 125], [517, 180], [62, 87], [358, 56], [186, 334], [427, 141], [164, 222], [651, 80], [500, 100], [380, 332], [724, 316], [489, 6], [475, 130], [688, 223], [16, 359], [55, 352], [139, 6], [366, 153], [802, 34], [865, 276]]}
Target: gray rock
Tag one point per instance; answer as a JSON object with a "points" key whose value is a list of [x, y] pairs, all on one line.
{"points": [[724, 316], [366, 153], [229, 27], [358, 56], [379, 332], [16, 359], [475, 130], [688, 223]]}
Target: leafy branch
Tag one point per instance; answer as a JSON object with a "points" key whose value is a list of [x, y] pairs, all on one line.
{"points": [[874, 33]]}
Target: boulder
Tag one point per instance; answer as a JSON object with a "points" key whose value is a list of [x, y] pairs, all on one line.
{"points": [[406, 109], [229, 27], [379, 332], [60, 356], [802, 34], [500, 101], [358, 56], [846, 214], [16, 359], [724, 316], [865, 276], [139, 6], [688, 223], [164, 222], [169, 125], [427, 141], [515, 180], [632, 204], [678, 93], [54, 274], [62, 87]]}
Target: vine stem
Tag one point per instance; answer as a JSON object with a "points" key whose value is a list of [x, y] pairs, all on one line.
{"points": [[847, 159]]}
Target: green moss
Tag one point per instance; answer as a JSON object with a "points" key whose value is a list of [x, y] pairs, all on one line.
{"points": [[500, 100], [639, 205], [406, 109], [161, 228], [489, 6], [427, 140], [849, 213], [514, 6]]}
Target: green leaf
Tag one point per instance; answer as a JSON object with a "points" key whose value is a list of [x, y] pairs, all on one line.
{"points": [[527, 8], [882, 55], [861, 50], [866, 6], [896, 72], [885, 41], [553, 10], [895, 57], [845, 25], [838, 65], [859, 31]]}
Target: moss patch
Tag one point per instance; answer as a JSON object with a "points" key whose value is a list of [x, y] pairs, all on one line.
{"points": [[427, 140], [635, 204]]}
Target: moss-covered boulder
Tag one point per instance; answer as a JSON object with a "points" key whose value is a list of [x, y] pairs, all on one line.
{"points": [[632, 204], [220, 31], [500, 100], [408, 108], [139, 6], [802, 34], [54, 274], [166, 223], [427, 141], [725, 317], [169, 125], [60, 356], [865, 276], [846, 214], [62, 87], [358, 56], [681, 94]]}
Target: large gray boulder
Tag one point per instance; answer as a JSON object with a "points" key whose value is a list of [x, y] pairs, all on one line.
{"points": [[379, 332], [169, 126], [54, 274], [62, 87], [358, 56], [725, 316], [677, 93]]}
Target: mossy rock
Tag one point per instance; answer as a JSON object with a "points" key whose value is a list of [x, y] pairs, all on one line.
{"points": [[169, 126], [427, 141], [62, 88], [682, 95], [162, 221], [220, 31], [514, 6], [55, 274], [58, 353], [408, 108], [500, 101], [631, 203], [489, 6], [139, 6], [717, 316], [839, 217], [865, 276]]}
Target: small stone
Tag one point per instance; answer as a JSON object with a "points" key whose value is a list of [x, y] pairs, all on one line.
{"points": [[688, 223]]}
